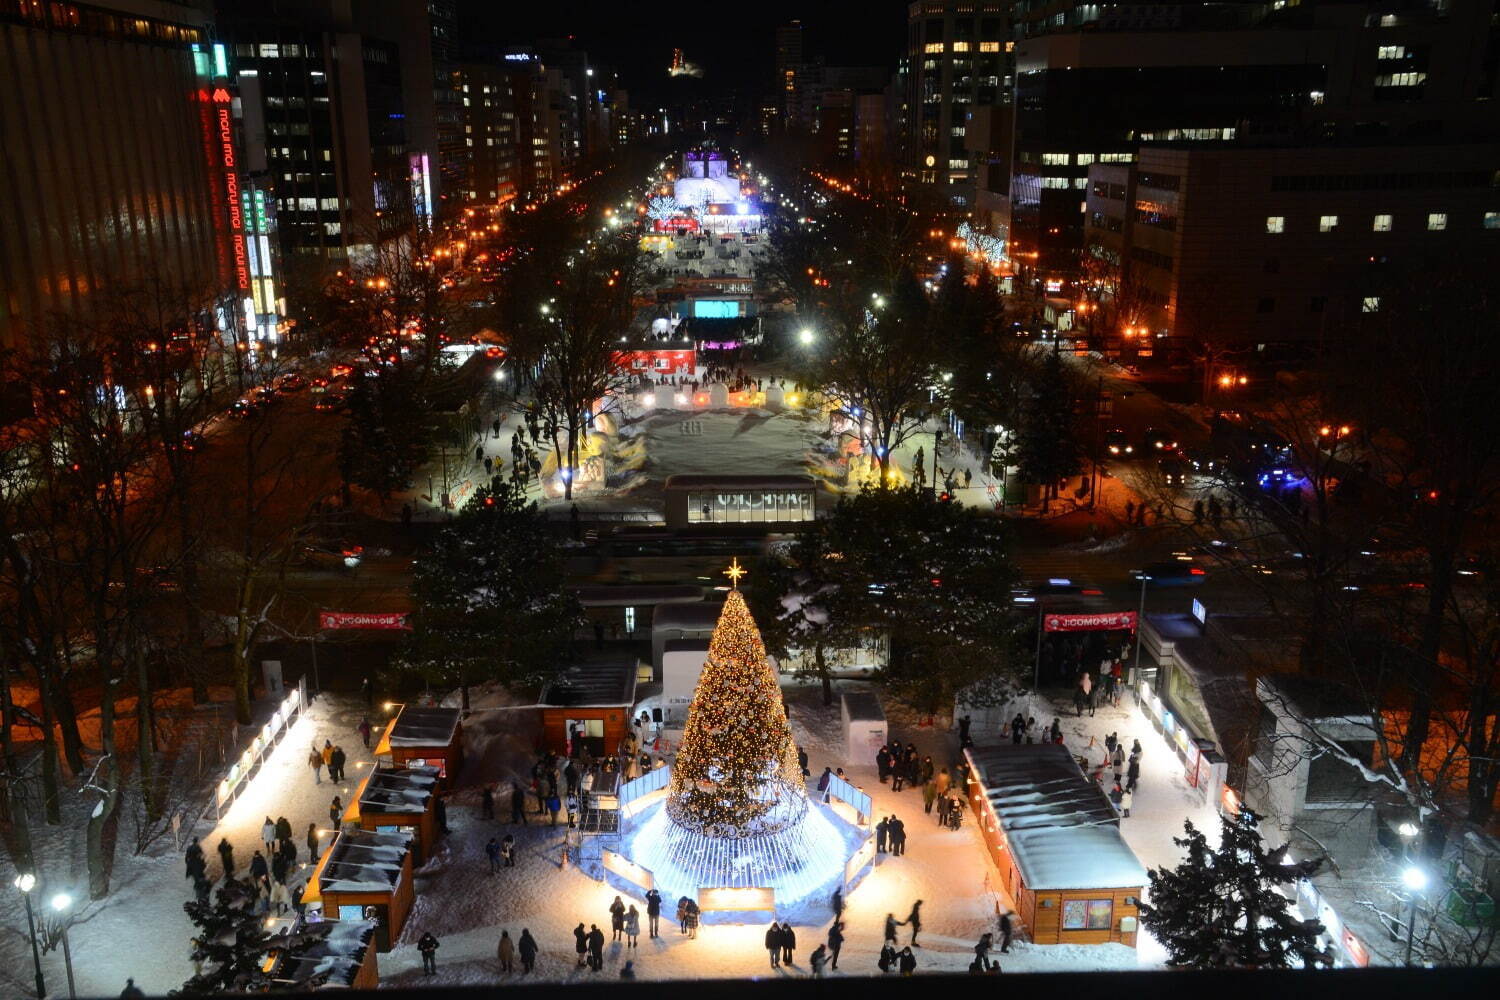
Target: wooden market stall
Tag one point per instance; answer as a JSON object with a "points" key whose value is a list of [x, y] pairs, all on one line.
{"points": [[365, 875], [424, 736], [1055, 839], [398, 802], [589, 704], [341, 957]]}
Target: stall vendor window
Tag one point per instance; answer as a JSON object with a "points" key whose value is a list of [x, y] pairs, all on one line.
{"points": [[1087, 914]]}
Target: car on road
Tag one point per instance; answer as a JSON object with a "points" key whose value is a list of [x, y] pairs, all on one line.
{"points": [[192, 440], [319, 384], [1176, 573], [1159, 440], [331, 555], [1174, 471], [263, 394], [1117, 442], [291, 383], [330, 403], [244, 408]]}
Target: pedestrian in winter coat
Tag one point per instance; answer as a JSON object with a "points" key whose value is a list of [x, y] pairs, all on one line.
{"points": [[835, 942], [929, 796], [336, 764], [887, 958], [283, 828], [890, 928], [581, 943], [882, 831], [1056, 731], [1132, 773], [1126, 797], [281, 900], [1005, 932], [268, 834], [278, 868], [596, 947], [335, 811], [907, 962], [428, 946], [505, 951], [653, 911], [526, 946], [788, 943], [818, 959], [492, 851], [632, 926], [327, 754], [364, 732], [193, 859], [131, 990], [617, 917], [928, 770], [487, 804], [312, 841], [897, 835], [943, 781], [258, 868], [508, 851], [898, 775], [837, 904], [914, 921], [1017, 729], [315, 761], [773, 944], [823, 781], [682, 905], [982, 952], [1135, 749], [554, 806], [692, 919]]}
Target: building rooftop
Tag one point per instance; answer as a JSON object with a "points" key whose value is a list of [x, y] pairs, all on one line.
{"points": [[405, 791], [594, 683], [363, 861], [1062, 830], [332, 957], [422, 726]]}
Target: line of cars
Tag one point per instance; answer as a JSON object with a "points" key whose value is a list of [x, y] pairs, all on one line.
{"points": [[330, 392]]}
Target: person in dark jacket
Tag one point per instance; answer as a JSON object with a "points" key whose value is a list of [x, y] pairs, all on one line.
{"points": [[336, 763], [283, 828], [883, 763], [882, 830], [517, 803], [1005, 932], [193, 859], [617, 918], [897, 834], [773, 943], [312, 841], [838, 904], [890, 928], [907, 961], [596, 948], [914, 921], [492, 851], [428, 946], [526, 948], [487, 803], [835, 943], [788, 943], [226, 857], [258, 867], [823, 780], [581, 943], [653, 911]]}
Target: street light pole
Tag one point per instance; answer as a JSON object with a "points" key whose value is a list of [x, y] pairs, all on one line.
{"points": [[1140, 624], [60, 903], [26, 883]]}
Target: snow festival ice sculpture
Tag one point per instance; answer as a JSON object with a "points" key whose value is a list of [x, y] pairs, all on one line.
{"points": [[737, 814]]}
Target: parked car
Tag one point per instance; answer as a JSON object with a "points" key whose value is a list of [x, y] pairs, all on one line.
{"points": [[244, 408], [319, 384], [330, 403], [1174, 471], [291, 383], [263, 394]]}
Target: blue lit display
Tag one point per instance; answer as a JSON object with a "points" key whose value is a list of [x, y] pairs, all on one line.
{"points": [[716, 309]]}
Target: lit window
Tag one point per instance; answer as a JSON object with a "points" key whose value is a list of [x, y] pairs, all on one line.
{"points": [[1055, 159], [1492, 220], [933, 47], [1084, 159], [270, 51], [1437, 221], [1370, 304], [1382, 224], [1400, 79], [1275, 223], [989, 46], [960, 46], [1010, 46], [1327, 223], [1390, 52]]}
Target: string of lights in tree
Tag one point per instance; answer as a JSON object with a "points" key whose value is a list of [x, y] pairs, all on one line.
{"points": [[736, 773]]}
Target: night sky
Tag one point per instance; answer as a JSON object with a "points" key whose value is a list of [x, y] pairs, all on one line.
{"points": [[734, 42]]}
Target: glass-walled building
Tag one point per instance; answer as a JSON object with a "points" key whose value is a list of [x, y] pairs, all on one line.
{"points": [[701, 500]]}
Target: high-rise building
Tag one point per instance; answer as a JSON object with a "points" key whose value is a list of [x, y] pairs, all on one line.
{"points": [[340, 111], [115, 164], [1098, 85], [488, 168], [789, 68], [959, 58]]}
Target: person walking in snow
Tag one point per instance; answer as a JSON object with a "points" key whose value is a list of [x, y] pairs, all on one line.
{"points": [[526, 946], [581, 943], [364, 731], [1126, 798], [312, 841], [283, 828], [632, 926], [682, 904], [818, 959], [428, 946], [773, 944], [897, 835], [929, 796], [914, 921], [508, 851], [823, 781], [268, 834], [887, 957], [617, 918], [596, 948], [653, 911], [1056, 731], [835, 943], [486, 803], [882, 830], [492, 851], [226, 857], [193, 860], [890, 928], [1132, 772], [982, 952], [788, 943], [336, 763], [315, 761], [692, 920], [505, 951], [907, 962], [1005, 932], [335, 811]]}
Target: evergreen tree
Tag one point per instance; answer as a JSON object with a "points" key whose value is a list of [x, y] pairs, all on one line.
{"points": [[232, 941], [1224, 907], [1048, 447], [489, 596], [737, 758]]}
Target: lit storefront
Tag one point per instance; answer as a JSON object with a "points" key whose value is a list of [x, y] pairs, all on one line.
{"points": [[701, 500]]}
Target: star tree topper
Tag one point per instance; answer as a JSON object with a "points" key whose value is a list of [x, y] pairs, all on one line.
{"points": [[734, 572]]}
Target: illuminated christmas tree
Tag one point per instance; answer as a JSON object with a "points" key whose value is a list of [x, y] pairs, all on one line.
{"points": [[736, 773]]}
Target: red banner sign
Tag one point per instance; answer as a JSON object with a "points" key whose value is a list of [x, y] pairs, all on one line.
{"points": [[362, 619], [1100, 622]]}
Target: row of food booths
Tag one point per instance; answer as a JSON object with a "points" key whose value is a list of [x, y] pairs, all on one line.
{"points": [[1055, 840]]}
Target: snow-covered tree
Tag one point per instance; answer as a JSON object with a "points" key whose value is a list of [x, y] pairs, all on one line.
{"points": [[663, 207], [1224, 907], [232, 940]]}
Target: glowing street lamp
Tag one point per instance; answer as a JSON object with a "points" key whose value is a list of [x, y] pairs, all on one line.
{"points": [[62, 903], [26, 882], [806, 336]]}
